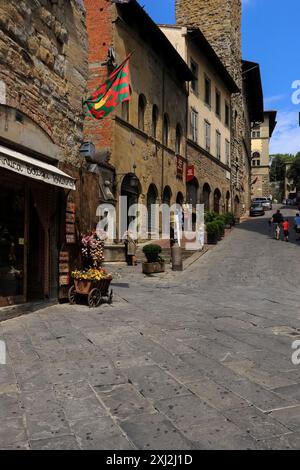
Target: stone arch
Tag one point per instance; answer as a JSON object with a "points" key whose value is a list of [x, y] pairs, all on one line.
{"points": [[237, 206], [217, 201], [227, 202], [152, 196], [192, 189], [131, 189], [206, 191], [179, 198], [167, 195]]}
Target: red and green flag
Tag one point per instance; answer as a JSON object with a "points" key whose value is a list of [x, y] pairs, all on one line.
{"points": [[114, 91]]}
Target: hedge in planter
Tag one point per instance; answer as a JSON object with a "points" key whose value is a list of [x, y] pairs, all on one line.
{"points": [[210, 217], [221, 226], [229, 219], [152, 253], [212, 229]]}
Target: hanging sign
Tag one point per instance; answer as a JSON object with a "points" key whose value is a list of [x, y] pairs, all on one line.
{"points": [[190, 173], [180, 165], [70, 223], [64, 268]]}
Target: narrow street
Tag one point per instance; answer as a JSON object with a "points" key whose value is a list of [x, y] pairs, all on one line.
{"points": [[192, 360]]}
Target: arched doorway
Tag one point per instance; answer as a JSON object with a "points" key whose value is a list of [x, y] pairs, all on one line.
{"points": [[167, 194], [227, 204], [151, 200], [130, 189], [192, 192], [217, 201], [180, 198], [206, 197], [237, 206]]}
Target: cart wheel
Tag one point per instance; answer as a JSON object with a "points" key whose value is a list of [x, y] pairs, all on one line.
{"points": [[94, 298], [110, 297], [72, 295]]}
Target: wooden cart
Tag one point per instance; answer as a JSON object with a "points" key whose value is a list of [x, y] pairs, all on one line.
{"points": [[96, 292]]}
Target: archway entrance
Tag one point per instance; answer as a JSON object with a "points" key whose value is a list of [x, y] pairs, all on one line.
{"points": [[227, 204], [206, 197], [131, 190], [167, 194], [217, 201], [236, 206], [179, 198], [151, 201], [192, 192]]}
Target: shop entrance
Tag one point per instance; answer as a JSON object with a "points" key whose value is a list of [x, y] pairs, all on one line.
{"points": [[25, 215], [12, 239], [36, 254]]}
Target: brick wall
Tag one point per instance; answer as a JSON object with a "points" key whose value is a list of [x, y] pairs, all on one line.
{"points": [[100, 15], [43, 64]]}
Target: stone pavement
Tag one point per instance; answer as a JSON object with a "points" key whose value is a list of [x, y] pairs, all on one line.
{"points": [[192, 360]]}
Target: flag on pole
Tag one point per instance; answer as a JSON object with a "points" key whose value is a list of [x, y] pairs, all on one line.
{"points": [[114, 91]]}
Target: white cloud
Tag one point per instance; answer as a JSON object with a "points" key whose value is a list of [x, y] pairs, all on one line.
{"points": [[286, 137], [273, 99]]}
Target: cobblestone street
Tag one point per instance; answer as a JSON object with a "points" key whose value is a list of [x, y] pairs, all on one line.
{"points": [[192, 360]]}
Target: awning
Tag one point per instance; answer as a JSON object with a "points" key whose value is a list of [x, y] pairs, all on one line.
{"points": [[33, 168]]}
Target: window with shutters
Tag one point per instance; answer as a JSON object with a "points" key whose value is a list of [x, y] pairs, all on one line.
{"points": [[194, 125], [218, 145], [207, 137]]}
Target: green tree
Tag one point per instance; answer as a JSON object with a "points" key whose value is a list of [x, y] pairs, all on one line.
{"points": [[294, 172], [277, 172]]}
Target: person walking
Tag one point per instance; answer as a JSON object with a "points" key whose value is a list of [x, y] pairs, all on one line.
{"points": [[277, 220], [297, 226], [286, 226]]}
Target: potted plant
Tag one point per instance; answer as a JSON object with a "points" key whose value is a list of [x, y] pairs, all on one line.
{"points": [[221, 225], [154, 264], [212, 230], [229, 219]]}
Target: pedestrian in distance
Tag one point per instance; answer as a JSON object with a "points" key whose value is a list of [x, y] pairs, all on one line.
{"points": [[297, 226], [277, 220], [286, 226]]}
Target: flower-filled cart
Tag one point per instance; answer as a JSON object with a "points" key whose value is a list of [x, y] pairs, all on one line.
{"points": [[92, 281]]}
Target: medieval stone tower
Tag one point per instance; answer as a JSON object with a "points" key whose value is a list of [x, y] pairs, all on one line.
{"points": [[220, 22]]}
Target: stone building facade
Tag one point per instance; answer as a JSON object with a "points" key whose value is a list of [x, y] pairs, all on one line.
{"points": [[209, 134], [261, 136], [43, 71], [144, 140], [43, 57], [220, 22]]}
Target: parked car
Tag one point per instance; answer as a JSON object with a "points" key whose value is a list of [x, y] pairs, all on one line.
{"points": [[256, 209], [265, 202]]}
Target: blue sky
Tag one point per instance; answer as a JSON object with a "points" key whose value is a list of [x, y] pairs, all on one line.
{"points": [[270, 37]]}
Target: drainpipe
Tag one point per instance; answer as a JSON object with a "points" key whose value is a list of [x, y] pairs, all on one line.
{"points": [[163, 120]]}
